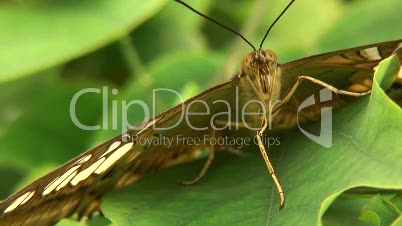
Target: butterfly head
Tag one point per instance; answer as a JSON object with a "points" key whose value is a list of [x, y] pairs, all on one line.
{"points": [[263, 62], [261, 67]]}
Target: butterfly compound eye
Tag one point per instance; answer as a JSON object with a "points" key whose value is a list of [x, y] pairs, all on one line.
{"points": [[269, 56], [247, 63]]}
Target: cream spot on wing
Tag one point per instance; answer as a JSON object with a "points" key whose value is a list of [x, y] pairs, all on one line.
{"points": [[16, 202], [65, 182], [397, 48], [56, 183], [398, 78], [84, 159], [27, 198], [52, 182], [111, 148], [371, 53], [87, 172], [148, 125], [114, 157]]}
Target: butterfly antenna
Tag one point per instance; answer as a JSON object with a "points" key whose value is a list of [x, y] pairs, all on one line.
{"points": [[216, 22], [276, 20]]}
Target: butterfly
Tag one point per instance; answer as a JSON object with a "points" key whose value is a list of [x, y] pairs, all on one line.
{"points": [[79, 185]]}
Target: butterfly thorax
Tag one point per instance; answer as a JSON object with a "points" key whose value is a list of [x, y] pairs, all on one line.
{"points": [[261, 67]]}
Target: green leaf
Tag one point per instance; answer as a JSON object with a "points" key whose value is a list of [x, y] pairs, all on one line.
{"points": [[185, 36], [363, 23], [345, 210], [37, 127], [39, 35], [397, 222], [10, 177], [397, 201], [377, 213], [364, 206], [349, 25]]}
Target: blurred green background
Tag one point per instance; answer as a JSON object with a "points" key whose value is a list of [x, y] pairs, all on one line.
{"points": [[49, 50]]}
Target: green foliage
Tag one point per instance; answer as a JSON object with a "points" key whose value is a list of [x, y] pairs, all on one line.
{"points": [[52, 49], [39, 35]]}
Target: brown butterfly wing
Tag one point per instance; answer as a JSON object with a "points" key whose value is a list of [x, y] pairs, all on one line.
{"points": [[44, 209], [235, 92], [53, 197], [350, 69], [337, 67]]}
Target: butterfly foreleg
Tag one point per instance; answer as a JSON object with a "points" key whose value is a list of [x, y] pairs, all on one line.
{"points": [[206, 165], [269, 165], [299, 79], [264, 153]]}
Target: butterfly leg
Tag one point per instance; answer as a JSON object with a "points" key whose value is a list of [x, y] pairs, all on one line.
{"points": [[204, 168], [269, 165], [299, 79], [264, 153]]}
